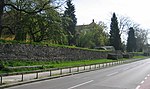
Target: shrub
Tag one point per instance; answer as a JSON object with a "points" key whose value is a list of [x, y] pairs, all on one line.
{"points": [[127, 55], [2, 66], [114, 56]]}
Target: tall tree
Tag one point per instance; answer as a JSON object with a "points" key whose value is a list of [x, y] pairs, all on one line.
{"points": [[31, 7], [69, 14], [131, 42], [115, 39], [1, 14], [142, 37]]}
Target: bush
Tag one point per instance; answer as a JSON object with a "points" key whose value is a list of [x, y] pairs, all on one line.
{"points": [[2, 66], [127, 55], [146, 53], [114, 56]]}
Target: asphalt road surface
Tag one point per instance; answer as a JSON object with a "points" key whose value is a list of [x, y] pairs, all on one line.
{"points": [[126, 76]]}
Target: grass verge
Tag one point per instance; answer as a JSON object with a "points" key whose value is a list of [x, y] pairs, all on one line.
{"points": [[45, 64]]}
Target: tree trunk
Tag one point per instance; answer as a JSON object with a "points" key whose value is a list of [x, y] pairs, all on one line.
{"points": [[1, 14]]}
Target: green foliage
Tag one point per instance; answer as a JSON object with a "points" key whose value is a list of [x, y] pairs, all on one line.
{"points": [[131, 42], [70, 21], [46, 64], [36, 21], [47, 44], [92, 36], [115, 39], [2, 66]]}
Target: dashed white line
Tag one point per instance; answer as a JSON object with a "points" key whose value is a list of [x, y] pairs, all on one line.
{"points": [[112, 74], [138, 87], [142, 82], [81, 84]]}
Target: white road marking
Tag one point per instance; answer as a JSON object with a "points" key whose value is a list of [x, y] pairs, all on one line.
{"points": [[142, 82], [145, 77], [112, 74], [81, 84], [138, 87]]}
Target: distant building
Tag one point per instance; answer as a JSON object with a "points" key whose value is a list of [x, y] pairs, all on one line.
{"points": [[81, 28]]}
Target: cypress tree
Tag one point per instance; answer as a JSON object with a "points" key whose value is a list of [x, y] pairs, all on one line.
{"points": [[115, 39], [131, 42], [71, 24]]}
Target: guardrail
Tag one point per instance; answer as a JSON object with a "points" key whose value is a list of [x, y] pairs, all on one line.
{"points": [[56, 72]]}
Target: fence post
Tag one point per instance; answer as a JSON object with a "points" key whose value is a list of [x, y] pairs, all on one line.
{"points": [[95, 66], [78, 69], [50, 72], [90, 67], [22, 77], [60, 71], [37, 75], [69, 69], [84, 67], [1, 79]]}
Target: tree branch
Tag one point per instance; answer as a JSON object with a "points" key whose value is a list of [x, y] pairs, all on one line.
{"points": [[29, 12], [8, 29]]}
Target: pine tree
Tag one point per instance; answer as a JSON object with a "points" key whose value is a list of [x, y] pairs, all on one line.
{"points": [[71, 23], [115, 39], [131, 42]]}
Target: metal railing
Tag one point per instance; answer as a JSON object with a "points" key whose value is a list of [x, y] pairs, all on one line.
{"points": [[56, 72]]}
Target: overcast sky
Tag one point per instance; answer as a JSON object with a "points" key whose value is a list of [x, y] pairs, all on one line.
{"points": [[99, 10]]}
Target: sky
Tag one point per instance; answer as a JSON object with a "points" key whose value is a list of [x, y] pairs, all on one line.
{"points": [[100, 10]]}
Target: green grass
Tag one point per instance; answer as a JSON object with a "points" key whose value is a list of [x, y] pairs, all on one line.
{"points": [[49, 64], [46, 64], [140, 57]]}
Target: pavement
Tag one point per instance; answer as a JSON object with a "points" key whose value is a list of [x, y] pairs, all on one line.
{"points": [[126, 76]]}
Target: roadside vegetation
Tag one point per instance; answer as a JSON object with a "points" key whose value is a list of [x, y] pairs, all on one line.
{"points": [[46, 44], [10, 66], [38, 65], [54, 23]]}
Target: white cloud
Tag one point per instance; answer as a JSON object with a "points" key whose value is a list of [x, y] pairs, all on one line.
{"points": [[100, 10]]}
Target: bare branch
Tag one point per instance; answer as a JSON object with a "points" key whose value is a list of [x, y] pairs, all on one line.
{"points": [[29, 12]]}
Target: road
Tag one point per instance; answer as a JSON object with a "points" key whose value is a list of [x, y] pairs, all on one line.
{"points": [[126, 76]]}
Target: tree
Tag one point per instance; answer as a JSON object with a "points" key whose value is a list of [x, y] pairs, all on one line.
{"points": [[131, 42], [92, 35], [142, 37], [30, 7], [115, 39], [1, 14], [8, 5], [35, 19], [69, 15]]}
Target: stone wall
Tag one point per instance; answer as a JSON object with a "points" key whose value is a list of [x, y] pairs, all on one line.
{"points": [[36, 52]]}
